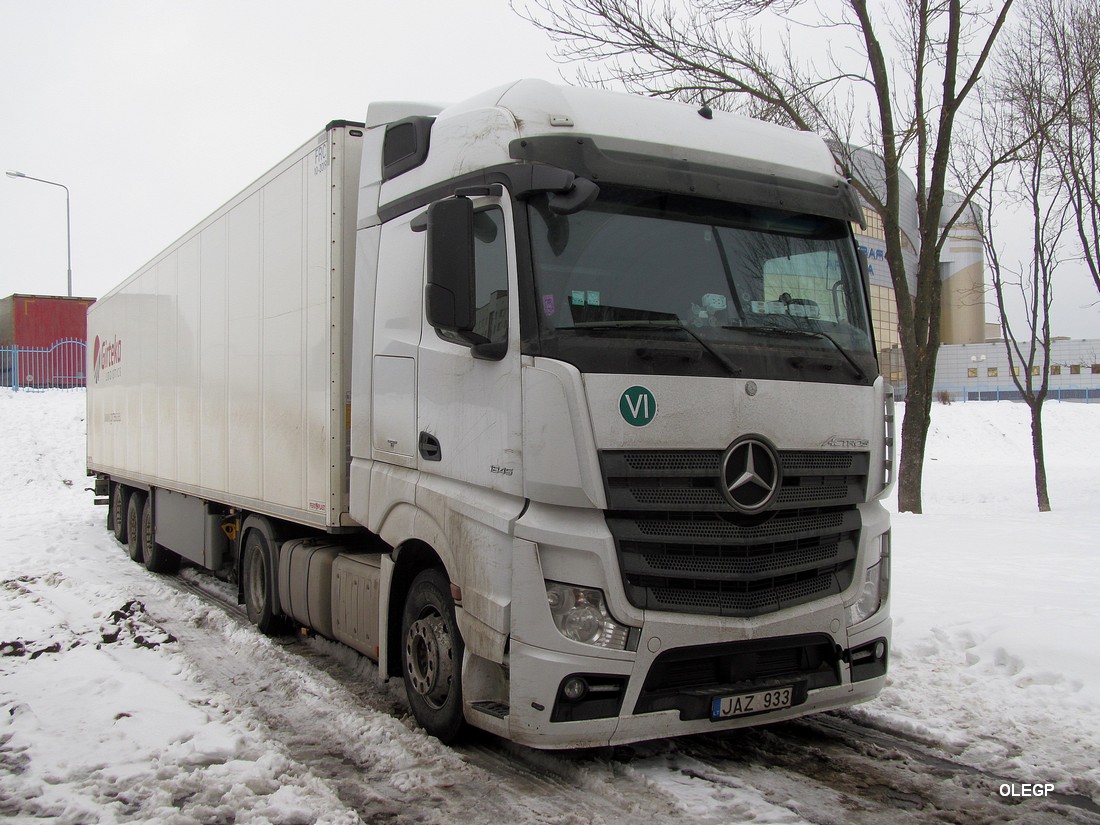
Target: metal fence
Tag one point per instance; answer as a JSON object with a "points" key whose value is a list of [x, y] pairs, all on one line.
{"points": [[1088, 395], [62, 365]]}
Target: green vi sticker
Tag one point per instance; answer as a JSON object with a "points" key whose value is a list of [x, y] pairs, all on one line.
{"points": [[637, 406]]}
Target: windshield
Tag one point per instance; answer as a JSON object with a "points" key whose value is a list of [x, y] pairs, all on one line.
{"points": [[651, 282]]}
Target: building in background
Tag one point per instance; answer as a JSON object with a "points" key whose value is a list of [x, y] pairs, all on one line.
{"points": [[962, 268], [981, 372]]}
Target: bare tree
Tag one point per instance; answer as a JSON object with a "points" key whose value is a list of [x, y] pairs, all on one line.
{"points": [[1068, 32], [1029, 361], [899, 102], [1026, 181], [1038, 93]]}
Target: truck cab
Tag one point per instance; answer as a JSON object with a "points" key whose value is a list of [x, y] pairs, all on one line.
{"points": [[614, 381]]}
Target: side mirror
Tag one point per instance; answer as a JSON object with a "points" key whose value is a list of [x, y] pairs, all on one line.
{"points": [[449, 295]]}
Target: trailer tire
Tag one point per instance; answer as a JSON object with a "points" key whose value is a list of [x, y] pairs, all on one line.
{"points": [[431, 656], [258, 583], [157, 557], [135, 506], [119, 500]]}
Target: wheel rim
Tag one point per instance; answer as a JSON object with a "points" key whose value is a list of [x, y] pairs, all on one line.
{"points": [[257, 581], [428, 658]]}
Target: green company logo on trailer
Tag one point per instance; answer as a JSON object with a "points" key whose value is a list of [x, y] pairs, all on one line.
{"points": [[637, 406]]}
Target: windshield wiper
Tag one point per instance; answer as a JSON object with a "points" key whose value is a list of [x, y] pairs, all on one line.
{"points": [[810, 333], [723, 360]]}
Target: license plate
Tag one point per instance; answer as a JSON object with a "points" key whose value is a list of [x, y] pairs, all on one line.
{"points": [[761, 701]]}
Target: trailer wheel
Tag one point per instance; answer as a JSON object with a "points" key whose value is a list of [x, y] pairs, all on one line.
{"points": [[258, 582], [431, 656], [119, 500], [135, 506], [157, 557]]}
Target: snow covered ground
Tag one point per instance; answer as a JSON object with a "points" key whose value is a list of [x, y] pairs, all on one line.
{"points": [[122, 699], [997, 606]]}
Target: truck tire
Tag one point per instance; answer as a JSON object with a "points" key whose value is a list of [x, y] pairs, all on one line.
{"points": [[157, 557], [135, 505], [119, 500], [431, 656], [258, 584]]}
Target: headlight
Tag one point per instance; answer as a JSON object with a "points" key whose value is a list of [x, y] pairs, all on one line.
{"points": [[875, 587], [580, 614]]}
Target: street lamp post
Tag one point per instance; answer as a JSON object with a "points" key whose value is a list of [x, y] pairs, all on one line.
{"points": [[68, 223]]}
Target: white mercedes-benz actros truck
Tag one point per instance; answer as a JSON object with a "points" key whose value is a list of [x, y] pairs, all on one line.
{"points": [[563, 405]]}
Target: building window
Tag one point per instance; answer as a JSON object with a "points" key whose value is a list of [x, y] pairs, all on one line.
{"points": [[1074, 369], [1035, 371], [1056, 369], [1096, 369], [972, 372], [1016, 371], [991, 372]]}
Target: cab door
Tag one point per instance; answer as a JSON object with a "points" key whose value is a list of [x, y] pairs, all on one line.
{"points": [[469, 410]]}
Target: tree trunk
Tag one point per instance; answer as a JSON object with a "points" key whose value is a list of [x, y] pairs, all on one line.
{"points": [[1040, 462], [914, 439]]}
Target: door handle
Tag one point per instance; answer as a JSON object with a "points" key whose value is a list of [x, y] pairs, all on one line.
{"points": [[429, 447]]}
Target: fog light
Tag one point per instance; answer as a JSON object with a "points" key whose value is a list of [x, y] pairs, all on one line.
{"points": [[574, 688], [580, 614], [869, 660]]}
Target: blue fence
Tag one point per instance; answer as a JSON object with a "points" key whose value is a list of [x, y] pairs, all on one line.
{"points": [[62, 365], [1087, 395]]}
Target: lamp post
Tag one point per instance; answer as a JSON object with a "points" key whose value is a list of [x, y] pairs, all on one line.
{"points": [[68, 223]]}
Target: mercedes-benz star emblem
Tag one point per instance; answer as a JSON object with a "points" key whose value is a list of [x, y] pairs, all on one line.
{"points": [[750, 474]]}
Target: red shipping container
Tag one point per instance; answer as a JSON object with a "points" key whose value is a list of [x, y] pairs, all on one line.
{"points": [[42, 320], [38, 322]]}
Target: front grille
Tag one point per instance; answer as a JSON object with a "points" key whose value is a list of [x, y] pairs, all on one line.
{"points": [[689, 479], [683, 548], [737, 598]]}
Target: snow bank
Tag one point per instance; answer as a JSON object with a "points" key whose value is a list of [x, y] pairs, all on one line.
{"points": [[996, 606], [102, 716]]}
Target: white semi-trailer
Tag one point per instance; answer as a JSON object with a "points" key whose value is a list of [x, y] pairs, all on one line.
{"points": [[559, 403]]}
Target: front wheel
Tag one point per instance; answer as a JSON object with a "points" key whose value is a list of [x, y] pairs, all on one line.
{"points": [[431, 656]]}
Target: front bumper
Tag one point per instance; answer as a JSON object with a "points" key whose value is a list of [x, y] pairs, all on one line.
{"points": [[682, 662], [535, 699]]}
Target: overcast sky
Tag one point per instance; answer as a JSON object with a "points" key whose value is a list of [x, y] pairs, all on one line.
{"points": [[155, 113]]}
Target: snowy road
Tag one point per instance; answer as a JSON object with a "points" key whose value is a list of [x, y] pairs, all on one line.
{"points": [[829, 769], [126, 697]]}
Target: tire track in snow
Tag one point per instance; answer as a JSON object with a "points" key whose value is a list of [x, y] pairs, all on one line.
{"points": [[848, 772], [332, 716], [828, 769]]}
